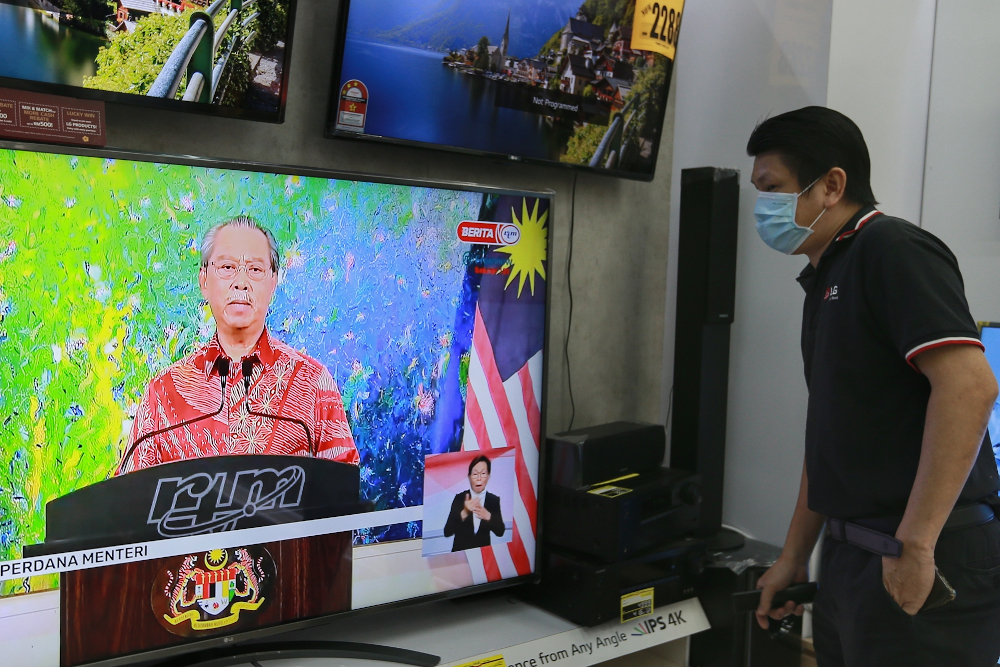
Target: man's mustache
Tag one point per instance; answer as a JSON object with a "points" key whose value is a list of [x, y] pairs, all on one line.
{"points": [[239, 298]]}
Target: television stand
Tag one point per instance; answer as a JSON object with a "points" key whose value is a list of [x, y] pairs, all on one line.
{"points": [[263, 652]]}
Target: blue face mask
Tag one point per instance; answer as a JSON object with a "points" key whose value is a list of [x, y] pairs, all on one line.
{"points": [[775, 214]]}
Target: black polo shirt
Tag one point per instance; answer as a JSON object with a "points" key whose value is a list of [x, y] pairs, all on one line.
{"points": [[884, 291]]}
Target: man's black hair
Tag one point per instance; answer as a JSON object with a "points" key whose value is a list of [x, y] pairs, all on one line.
{"points": [[813, 140], [481, 459]]}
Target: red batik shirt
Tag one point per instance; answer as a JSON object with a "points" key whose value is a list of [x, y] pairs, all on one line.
{"points": [[284, 382]]}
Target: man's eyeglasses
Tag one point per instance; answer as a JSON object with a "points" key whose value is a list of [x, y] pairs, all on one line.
{"points": [[227, 269]]}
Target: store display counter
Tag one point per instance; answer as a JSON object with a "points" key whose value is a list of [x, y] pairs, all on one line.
{"points": [[465, 631]]}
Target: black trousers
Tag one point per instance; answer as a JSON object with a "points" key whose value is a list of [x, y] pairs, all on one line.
{"points": [[856, 623]]}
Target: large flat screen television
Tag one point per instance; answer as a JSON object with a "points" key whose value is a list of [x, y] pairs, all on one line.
{"points": [[989, 334], [238, 398], [223, 57], [552, 81]]}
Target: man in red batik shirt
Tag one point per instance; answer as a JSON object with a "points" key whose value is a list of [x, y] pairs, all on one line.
{"points": [[239, 273]]}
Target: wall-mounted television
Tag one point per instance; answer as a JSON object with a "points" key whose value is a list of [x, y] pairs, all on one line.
{"points": [[222, 57], [559, 82], [170, 480]]}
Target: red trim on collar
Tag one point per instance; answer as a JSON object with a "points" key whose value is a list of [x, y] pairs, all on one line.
{"points": [[209, 354], [861, 223]]}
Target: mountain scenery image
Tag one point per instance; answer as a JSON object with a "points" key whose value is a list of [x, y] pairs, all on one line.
{"points": [[552, 80], [445, 25]]}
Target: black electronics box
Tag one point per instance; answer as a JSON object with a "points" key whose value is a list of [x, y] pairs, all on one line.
{"points": [[588, 592], [620, 518], [588, 455], [736, 639]]}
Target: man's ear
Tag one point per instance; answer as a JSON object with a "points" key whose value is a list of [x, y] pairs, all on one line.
{"points": [[203, 282], [834, 184]]}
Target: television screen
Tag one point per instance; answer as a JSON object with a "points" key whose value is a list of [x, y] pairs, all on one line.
{"points": [[552, 81], [224, 57], [990, 337], [243, 396]]}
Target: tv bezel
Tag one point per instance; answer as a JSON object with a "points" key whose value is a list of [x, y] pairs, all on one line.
{"points": [[269, 168], [134, 99], [331, 132]]}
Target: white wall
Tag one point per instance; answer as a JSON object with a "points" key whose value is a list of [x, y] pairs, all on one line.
{"points": [[738, 62], [962, 181], [880, 76]]}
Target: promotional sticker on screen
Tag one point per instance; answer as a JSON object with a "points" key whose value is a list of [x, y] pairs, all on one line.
{"points": [[557, 81], [223, 57], [241, 399]]}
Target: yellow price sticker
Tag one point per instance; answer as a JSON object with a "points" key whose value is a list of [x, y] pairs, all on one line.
{"points": [[656, 26], [492, 661]]}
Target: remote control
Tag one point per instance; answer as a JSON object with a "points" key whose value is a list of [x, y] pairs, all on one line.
{"points": [[750, 600]]}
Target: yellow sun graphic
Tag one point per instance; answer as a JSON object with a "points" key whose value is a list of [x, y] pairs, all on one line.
{"points": [[216, 559], [527, 257]]}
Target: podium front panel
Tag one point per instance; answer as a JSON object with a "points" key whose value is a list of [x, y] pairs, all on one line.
{"points": [[112, 611]]}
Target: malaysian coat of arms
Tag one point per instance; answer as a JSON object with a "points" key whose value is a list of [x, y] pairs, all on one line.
{"points": [[213, 592]]}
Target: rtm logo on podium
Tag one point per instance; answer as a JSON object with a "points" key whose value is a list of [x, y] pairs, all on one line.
{"points": [[204, 503], [651, 625]]}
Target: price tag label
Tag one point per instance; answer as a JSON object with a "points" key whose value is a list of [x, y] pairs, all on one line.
{"points": [[636, 605], [492, 661], [610, 491], [656, 26]]}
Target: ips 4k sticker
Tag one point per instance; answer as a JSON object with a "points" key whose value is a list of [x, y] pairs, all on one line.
{"points": [[213, 592]]}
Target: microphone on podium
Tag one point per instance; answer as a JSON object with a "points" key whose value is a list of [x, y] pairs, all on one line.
{"points": [[223, 365], [247, 369]]}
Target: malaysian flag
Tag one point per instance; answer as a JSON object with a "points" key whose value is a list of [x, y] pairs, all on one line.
{"points": [[504, 389]]}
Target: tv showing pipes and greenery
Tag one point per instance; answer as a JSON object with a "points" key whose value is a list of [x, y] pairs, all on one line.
{"points": [[223, 57], [576, 83]]}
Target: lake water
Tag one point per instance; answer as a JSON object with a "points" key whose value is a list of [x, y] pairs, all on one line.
{"points": [[34, 46], [413, 96]]}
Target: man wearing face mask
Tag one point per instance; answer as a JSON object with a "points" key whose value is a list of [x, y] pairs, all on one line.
{"points": [[277, 400], [898, 464]]}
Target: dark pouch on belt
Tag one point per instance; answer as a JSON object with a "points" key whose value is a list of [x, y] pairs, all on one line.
{"points": [[941, 593]]}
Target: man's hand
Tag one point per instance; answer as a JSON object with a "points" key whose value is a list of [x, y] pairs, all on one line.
{"points": [[481, 512], [791, 566], [909, 578], [779, 576]]}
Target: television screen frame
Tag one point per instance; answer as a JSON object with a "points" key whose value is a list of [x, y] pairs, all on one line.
{"points": [[995, 411], [145, 101], [330, 130], [238, 637]]}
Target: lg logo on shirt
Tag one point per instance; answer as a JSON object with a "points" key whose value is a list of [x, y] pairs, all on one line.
{"points": [[831, 294]]}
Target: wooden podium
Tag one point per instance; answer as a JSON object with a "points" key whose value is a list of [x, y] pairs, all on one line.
{"points": [[138, 607]]}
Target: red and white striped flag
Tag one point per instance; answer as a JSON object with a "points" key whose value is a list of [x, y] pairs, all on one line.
{"points": [[505, 414]]}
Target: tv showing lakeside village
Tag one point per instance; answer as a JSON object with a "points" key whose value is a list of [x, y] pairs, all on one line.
{"points": [[552, 80], [155, 49]]}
